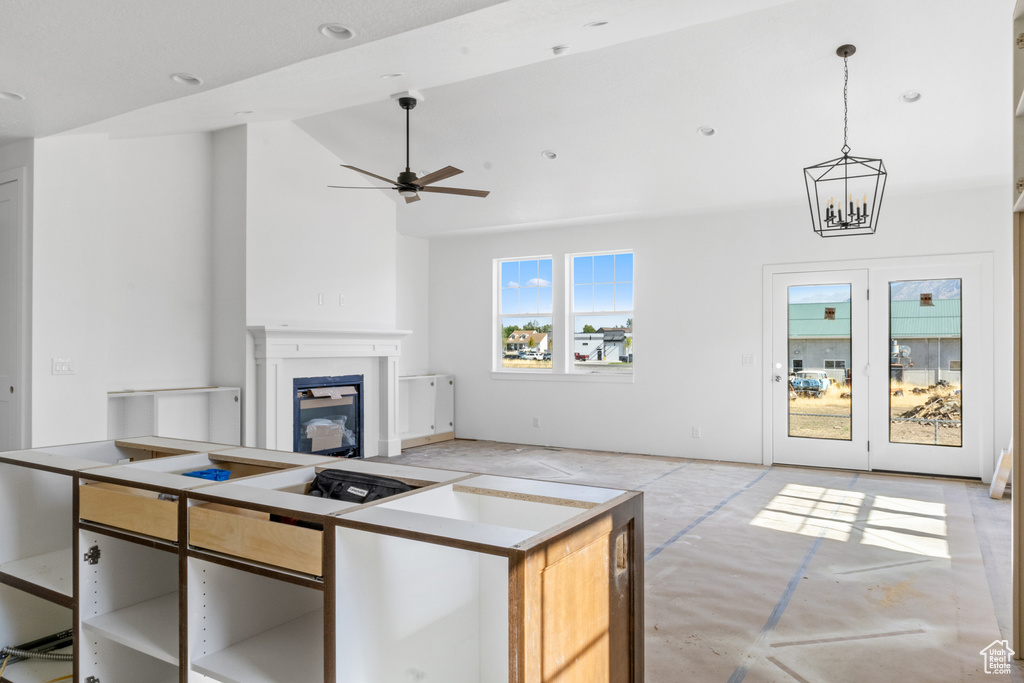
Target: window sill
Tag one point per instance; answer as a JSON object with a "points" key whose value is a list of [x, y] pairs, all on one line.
{"points": [[534, 375]]}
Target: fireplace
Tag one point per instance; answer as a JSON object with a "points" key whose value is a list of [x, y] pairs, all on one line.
{"points": [[283, 354], [328, 416]]}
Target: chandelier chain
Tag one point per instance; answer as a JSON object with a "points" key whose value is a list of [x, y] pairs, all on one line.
{"points": [[846, 110]]}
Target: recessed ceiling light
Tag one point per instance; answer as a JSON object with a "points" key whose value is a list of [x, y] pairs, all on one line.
{"points": [[13, 96], [186, 79], [548, 154], [336, 31], [910, 96], [560, 49], [706, 131], [595, 24], [397, 74]]}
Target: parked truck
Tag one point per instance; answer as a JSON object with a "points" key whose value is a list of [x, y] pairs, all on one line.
{"points": [[812, 383]]}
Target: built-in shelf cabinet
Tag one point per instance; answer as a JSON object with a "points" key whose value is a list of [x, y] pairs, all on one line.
{"points": [[466, 578], [198, 413], [426, 409]]}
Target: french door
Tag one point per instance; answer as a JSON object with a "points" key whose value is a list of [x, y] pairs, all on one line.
{"points": [[887, 367], [818, 369]]}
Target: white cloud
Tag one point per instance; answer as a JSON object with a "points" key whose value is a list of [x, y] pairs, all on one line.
{"points": [[538, 282], [512, 284]]}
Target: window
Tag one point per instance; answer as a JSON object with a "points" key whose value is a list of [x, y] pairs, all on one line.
{"points": [[524, 313], [601, 310], [798, 364], [835, 364], [954, 365]]}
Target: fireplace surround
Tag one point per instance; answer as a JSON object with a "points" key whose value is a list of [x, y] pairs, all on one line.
{"points": [[283, 354]]}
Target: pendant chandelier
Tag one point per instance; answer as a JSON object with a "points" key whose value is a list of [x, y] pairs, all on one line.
{"points": [[845, 194]]}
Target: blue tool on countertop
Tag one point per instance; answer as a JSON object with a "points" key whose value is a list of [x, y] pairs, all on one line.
{"points": [[213, 474]]}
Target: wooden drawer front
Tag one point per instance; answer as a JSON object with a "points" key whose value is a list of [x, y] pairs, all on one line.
{"points": [[130, 509], [251, 535]]}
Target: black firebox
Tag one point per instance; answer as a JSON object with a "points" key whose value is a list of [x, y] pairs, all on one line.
{"points": [[328, 416]]}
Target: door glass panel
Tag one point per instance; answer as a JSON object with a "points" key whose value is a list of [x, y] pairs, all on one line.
{"points": [[820, 391], [924, 362]]}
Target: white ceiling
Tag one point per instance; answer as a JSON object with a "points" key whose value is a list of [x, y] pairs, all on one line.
{"points": [[621, 109]]}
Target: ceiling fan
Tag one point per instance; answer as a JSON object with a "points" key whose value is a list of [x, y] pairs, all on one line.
{"points": [[407, 184]]}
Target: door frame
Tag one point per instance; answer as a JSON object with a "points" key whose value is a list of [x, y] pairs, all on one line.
{"points": [[23, 305], [978, 264]]}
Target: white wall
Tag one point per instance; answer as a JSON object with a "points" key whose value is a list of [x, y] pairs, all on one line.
{"points": [[698, 293], [228, 258], [121, 274], [413, 312], [305, 239]]}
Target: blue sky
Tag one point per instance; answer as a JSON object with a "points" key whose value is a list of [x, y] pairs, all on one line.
{"points": [[601, 284], [899, 291]]}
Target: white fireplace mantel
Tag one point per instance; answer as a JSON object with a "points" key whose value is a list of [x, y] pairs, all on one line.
{"points": [[283, 353]]}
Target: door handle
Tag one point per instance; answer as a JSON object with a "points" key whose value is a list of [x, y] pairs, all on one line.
{"points": [[778, 378]]}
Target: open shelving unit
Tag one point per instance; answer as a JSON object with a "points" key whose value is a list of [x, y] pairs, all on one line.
{"points": [[249, 628], [426, 409], [131, 601], [200, 413], [37, 548]]}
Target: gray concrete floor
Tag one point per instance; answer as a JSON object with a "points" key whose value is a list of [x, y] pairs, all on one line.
{"points": [[789, 574]]}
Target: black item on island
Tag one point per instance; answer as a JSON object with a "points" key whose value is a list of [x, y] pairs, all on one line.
{"points": [[354, 487]]}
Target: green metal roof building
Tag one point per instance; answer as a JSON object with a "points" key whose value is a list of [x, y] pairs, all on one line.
{"points": [[909, 320]]}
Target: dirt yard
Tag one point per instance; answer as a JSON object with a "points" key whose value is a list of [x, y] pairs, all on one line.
{"points": [[828, 417]]}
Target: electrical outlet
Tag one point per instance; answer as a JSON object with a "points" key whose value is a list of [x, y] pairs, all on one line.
{"points": [[536, 422], [62, 366], [320, 299], [748, 359], [341, 299], [696, 432]]}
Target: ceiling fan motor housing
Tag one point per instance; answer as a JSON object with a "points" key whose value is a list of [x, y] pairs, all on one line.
{"points": [[406, 178]]}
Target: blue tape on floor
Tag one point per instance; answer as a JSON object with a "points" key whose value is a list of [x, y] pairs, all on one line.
{"points": [[742, 670], [662, 476], [657, 551]]}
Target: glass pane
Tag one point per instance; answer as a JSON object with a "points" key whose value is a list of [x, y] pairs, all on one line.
{"points": [[545, 300], [819, 330], [603, 343], [924, 362], [623, 267], [510, 274], [545, 272], [582, 270], [604, 268], [509, 300], [604, 297], [526, 343], [624, 296], [583, 298], [528, 301], [527, 273]]}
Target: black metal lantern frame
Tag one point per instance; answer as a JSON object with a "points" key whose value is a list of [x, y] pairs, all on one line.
{"points": [[845, 193]]}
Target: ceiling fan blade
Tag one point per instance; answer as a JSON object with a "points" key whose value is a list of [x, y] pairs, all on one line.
{"points": [[414, 198], [372, 175], [446, 172], [361, 187], [457, 190]]}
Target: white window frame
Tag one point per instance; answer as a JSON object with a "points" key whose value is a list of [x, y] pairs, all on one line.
{"points": [[499, 316], [571, 312]]}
